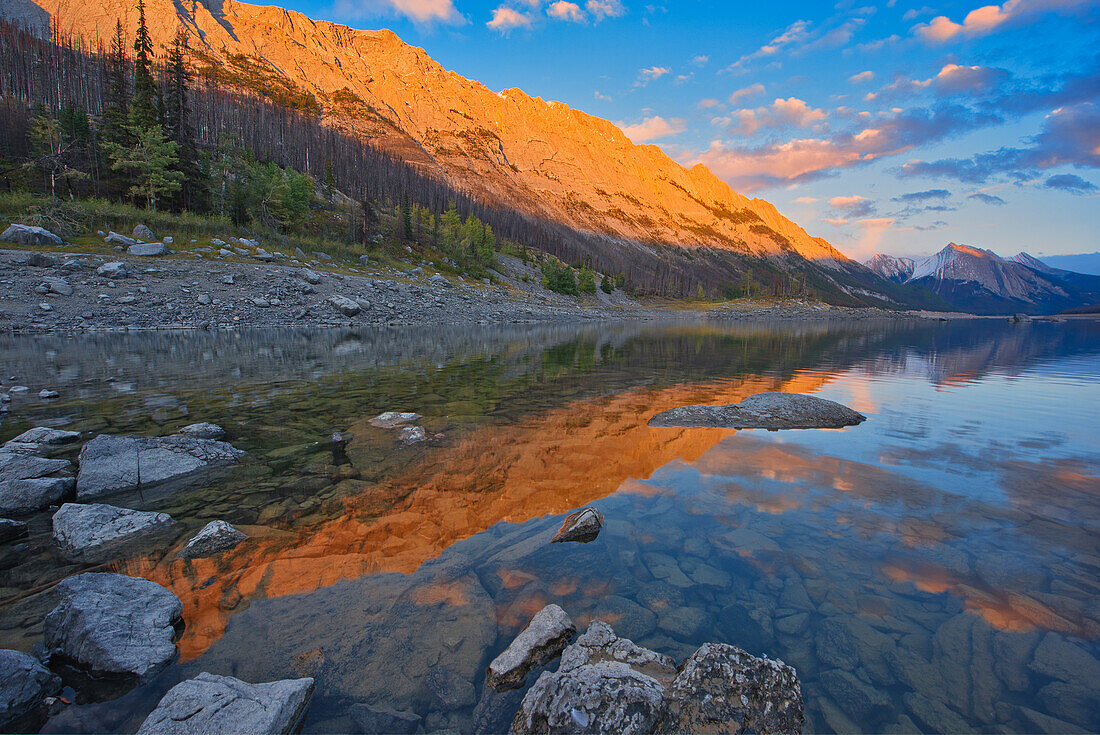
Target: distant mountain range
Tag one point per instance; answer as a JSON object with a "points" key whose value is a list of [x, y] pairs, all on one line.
{"points": [[982, 282], [1088, 263]]}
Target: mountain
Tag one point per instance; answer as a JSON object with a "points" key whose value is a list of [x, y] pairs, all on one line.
{"points": [[542, 159], [981, 281], [1088, 263], [891, 267]]}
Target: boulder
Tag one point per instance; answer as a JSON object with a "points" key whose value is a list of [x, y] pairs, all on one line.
{"points": [[30, 482], [217, 242], [113, 238], [393, 419], [222, 704], [30, 235], [112, 464], [46, 435], [371, 721], [113, 270], [24, 684], [11, 530], [58, 286], [202, 430], [607, 684], [111, 624], [764, 411], [364, 260], [412, 435], [344, 305], [214, 538], [148, 249], [263, 255], [168, 239], [47, 394], [249, 243], [142, 233], [582, 526], [95, 531], [549, 631], [39, 260], [311, 276]]}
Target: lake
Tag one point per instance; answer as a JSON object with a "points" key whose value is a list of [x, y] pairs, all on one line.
{"points": [[936, 568]]}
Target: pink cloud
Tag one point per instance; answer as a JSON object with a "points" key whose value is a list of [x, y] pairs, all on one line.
{"points": [[790, 111], [506, 19], [567, 11], [653, 128], [988, 18]]}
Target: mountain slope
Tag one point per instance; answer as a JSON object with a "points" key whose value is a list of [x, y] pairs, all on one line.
{"points": [[543, 159], [891, 267]]}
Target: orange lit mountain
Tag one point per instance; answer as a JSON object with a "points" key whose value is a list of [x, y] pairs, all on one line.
{"points": [[541, 159]]}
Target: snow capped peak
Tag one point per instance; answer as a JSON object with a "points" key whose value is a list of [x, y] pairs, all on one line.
{"points": [[891, 267], [984, 270]]}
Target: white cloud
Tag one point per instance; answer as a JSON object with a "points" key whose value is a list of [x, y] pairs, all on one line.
{"points": [[836, 221], [806, 200], [602, 97], [567, 11], [653, 127], [790, 111], [420, 11], [863, 76], [700, 60], [645, 76], [745, 92], [708, 103], [506, 19], [601, 9]]}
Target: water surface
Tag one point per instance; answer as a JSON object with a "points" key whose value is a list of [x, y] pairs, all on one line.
{"points": [[933, 569]]}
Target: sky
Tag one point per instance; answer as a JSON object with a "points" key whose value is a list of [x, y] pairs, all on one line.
{"points": [[890, 126]]}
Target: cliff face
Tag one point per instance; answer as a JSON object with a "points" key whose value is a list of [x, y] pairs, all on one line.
{"points": [[541, 158]]}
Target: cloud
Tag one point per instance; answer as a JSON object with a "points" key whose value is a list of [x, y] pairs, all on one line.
{"points": [[653, 128], [796, 32], [987, 199], [790, 111], [837, 221], [506, 19], [423, 12], [914, 13], [700, 61], [708, 103], [601, 9], [806, 200], [645, 76], [602, 97], [745, 92], [918, 197], [863, 76], [853, 206], [567, 11], [1070, 182], [988, 18], [878, 44], [953, 79], [873, 231]]}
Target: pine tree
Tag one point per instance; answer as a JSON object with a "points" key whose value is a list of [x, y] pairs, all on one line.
{"points": [[152, 161], [406, 218], [143, 106], [178, 128], [116, 98]]}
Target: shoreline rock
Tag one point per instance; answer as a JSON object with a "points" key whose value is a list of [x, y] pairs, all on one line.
{"points": [[214, 538], [24, 685], [772, 410], [582, 526], [222, 704], [545, 637], [96, 530]]}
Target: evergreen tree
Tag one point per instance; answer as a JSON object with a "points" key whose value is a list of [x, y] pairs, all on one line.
{"points": [[406, 218], [143, 106], [116, 98], [605, 285], [152, 161], [178, 128]]}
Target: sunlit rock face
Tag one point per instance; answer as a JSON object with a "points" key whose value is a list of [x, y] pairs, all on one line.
{"points": [[542, 158]]}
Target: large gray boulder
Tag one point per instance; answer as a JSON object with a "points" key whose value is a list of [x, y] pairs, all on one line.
{"points": [[210, 704], [582, 526], [142, 233], [113, 270], [55, 285], [607, 684], [148, 249], [113, 238], [46, 435], [31, 482], [764, 411], [345, 305], [113, 624], [549, 631], [214, 538], [30, 235], [24, 684], [97, 531], [112, 464]]}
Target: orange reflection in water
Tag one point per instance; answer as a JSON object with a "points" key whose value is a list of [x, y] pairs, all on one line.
{"points": [[549, 464]]}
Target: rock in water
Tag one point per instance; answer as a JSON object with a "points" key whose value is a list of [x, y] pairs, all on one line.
{"points": [[764, 411], [96, 531], [112, 464], [113, 624], [607, 684], [11, 530], [30, 235], [371, 721], [45, 435], [582, 526], [24, 684], [204, 430], [214, 538], [393, 419], [29, 482], [544, 638], [222, 704]]}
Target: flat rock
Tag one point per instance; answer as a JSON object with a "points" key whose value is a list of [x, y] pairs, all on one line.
{"points": [[30, 235], [11, 530], [345, 305], [112, 464], [393, 419], [30, 482], [113, 270], [204, 430], [113, 238], [46, 435], [148, 249], [549, 631], [371, 721], [221, 704], [113, 624], [24, 684], [582, 526], [59, 286], [764, 411], [96, 530], [214, 538]]}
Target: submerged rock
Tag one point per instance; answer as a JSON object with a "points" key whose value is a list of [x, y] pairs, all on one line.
{"points": [[214, 538], [582, 526], [113, 624], [371, 721], [24, 684], [46, 435], [204, 430], [96, 531], [222, 704], [393, 419], [112, 464], [30, 235], [549, 631], [764, 411], [607, 684], [10, 530]]}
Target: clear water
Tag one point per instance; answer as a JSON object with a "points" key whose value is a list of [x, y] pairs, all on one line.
{"points": [[936, 568]]}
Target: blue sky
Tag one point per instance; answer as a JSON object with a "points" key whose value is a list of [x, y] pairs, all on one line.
{"points": [[891, 127]]}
